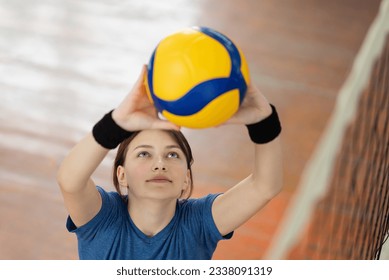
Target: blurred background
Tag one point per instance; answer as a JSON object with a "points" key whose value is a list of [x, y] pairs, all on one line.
{"points": [[65, 63]]}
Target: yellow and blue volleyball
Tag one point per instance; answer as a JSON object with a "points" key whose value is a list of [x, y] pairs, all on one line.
{"points": [[197, 78]]}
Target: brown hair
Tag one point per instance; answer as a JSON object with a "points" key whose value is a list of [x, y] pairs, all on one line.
{"points": [[176, 135]]}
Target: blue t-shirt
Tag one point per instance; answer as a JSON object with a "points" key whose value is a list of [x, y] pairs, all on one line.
{"points": [[111, 234]]}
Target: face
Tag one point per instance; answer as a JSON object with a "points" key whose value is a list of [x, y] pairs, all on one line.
{"points": [[155, 167]]}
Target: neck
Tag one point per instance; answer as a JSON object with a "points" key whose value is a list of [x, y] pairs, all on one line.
{"points": [[151, 216]]}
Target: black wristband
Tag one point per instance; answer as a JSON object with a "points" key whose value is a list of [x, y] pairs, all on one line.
{"points": [[266, 130], [108, 134]]}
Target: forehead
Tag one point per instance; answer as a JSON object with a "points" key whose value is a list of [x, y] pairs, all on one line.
{"points": [[153, 138]]}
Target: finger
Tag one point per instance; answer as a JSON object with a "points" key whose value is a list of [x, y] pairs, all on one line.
{"points": [[232, 120], [142, 75], [161, 124]]}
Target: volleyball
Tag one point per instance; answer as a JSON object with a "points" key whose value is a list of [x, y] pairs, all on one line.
{"points": [[197, 77]]}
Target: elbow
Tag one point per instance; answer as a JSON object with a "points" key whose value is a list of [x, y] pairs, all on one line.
{"points": [[271, 190], [64, 180], [268, 186], [277, 187], [61, 178], [277, 190], [272, 193]]}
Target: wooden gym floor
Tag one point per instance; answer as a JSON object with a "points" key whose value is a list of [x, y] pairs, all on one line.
{"points": [[63, 64]]}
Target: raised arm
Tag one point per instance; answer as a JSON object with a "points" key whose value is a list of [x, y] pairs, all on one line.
{"points": [[240, 203], [81, 197], [79, 192]]}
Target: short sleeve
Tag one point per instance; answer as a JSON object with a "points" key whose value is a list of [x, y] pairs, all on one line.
{"points": [[108, 213], [201, 221]]}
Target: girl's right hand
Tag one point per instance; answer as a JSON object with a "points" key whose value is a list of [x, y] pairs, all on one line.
{"points": [[136, 112]]}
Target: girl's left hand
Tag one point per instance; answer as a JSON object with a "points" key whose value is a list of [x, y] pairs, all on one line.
{"points": [[254, 108]]}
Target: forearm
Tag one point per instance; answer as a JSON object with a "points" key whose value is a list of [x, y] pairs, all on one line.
{"points": [[246, 198], [268, 171], [79, 165], [268, 168], [241, 202]]}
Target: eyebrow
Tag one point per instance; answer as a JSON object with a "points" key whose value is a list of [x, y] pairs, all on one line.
{"points": [[142, 146], [151, 147]]}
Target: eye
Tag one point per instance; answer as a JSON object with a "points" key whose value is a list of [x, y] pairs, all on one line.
{"points": [[173, 155], [143, 154]]}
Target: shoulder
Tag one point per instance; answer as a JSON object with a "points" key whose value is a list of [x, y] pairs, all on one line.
{"points": [[110, 196], [112, 202], [198, 203], [197, 208], [111, 208], [196, 214]]}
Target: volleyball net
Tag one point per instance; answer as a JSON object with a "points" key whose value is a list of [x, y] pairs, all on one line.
{"points": [[341, 207]]}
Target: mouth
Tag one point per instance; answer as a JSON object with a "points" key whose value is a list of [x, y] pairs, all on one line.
{"points": [[159, 179]]}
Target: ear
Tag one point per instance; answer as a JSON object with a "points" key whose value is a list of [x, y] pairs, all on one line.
{"points": [[187, 182], [121, 175]]}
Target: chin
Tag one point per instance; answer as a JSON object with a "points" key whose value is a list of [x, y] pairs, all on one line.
{"points": [[163, 195]]}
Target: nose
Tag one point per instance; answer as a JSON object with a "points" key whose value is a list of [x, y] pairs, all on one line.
{"points": [[159, 165]]}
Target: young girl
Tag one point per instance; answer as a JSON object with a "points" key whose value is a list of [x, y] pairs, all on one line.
{"points": [[151, 215]]}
